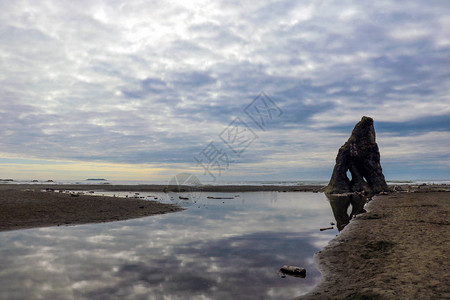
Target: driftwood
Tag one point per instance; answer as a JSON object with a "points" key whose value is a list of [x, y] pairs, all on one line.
{"points": [[326, 228], [293, 271]]}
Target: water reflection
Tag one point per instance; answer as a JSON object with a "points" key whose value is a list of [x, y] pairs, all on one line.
{"points": [[220, 249], [341, 204]]}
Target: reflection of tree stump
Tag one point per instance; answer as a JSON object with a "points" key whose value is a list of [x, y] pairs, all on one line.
{"points": [[340, 205], [359, 156]]}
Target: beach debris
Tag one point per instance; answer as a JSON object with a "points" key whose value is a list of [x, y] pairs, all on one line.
{"points": [[74, 195], [326, 228], [293, 271], [397, 188], [332, 223], [358, 165], [183, 198], [211, 197]]}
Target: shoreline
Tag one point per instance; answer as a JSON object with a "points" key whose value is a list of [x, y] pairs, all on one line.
{"points": [[398, 249], [24, 209], [15, 213], [317, 188], [166, 188], [24, 206]]}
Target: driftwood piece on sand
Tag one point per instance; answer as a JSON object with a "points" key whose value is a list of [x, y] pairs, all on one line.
{"points": [[326, 228], [293, 270]]}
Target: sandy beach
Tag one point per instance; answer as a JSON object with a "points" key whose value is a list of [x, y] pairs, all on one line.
{"points": [[21, 208], [399, 249]]}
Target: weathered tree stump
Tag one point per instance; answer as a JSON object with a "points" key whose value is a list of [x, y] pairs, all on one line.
{"points": [[359, 156]]}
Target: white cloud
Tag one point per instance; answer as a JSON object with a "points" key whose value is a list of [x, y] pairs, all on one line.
{"points": [[135, 81]]}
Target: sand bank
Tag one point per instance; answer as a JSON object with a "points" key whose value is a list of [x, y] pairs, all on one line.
{"points": [[399, 249], [26, 209]]}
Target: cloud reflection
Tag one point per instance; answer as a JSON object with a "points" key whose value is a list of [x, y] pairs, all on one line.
{"points": [[222, 251]]}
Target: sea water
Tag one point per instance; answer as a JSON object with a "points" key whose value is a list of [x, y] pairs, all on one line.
{"points": [[215, 249], [215, 183]]}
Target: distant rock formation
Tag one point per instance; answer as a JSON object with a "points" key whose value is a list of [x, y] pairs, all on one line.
{"points": [[361, 157]]}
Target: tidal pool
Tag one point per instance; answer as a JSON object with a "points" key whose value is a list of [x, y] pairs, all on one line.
{"points": [[215, 249]]}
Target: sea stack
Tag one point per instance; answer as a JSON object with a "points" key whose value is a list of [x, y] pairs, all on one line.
{"points": [[361, 157]]}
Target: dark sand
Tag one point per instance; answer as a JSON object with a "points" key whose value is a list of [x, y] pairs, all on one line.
{"points": [[26, 209], [399, 249]]}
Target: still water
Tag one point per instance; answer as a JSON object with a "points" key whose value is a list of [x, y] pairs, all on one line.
{"points": [[215, 249]]}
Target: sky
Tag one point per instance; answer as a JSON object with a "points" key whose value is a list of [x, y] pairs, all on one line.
{"points": [[224, 90]]}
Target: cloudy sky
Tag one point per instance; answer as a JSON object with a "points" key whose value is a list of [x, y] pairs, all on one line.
{"points": [[147, 89]]}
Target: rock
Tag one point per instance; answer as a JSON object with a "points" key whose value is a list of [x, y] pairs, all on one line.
{"points": [[360, 156]]}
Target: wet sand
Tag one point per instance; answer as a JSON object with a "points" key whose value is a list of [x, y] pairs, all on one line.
{"points": [[399, 249], [21, 209]]}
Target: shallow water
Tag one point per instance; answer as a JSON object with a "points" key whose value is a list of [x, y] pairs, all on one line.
{"points": [[216, 248]]}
